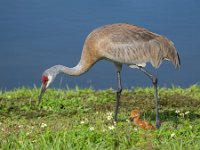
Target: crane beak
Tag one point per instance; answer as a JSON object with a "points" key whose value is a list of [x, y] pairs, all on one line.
{"points": [[43, 89]]}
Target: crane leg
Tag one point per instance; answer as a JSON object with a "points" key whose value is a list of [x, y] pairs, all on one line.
{"points": [[118, 94], [155, 82]]}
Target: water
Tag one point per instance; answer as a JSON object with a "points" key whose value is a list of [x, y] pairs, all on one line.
{"points": [[35, 35]]}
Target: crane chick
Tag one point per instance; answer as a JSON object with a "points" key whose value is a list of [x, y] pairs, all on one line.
{"points": [[135, 117]]}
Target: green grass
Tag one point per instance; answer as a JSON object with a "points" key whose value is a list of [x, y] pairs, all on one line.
{"points": [[79, 119]]}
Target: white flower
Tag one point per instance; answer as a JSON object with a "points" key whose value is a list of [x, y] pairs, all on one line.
{"points": [[20, 126], [109, 117], [135, 129], [172, 135], [43, 125], [82, 122], [187, 112], [177, 111], [91, 128], [182, 115], [111, 127], [190, 126], [109, 113]]}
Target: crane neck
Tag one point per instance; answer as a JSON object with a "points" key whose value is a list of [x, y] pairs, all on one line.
{"points": [[74, 71], [85, 63]]}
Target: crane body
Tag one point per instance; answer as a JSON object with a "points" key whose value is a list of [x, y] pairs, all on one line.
{"points": [[120, 44]]}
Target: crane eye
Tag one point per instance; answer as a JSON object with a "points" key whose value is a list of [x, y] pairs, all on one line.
{"points": [[44, 79]]}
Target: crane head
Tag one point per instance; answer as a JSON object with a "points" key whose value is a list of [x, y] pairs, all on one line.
{"points": [[46, 80]]}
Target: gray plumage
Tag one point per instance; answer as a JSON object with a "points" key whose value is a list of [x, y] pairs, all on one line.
{"points": [[132, 45], [120, 44], [123, 44]]}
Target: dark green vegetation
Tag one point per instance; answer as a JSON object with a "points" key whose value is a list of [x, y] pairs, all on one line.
{"points": [[82, 119]]}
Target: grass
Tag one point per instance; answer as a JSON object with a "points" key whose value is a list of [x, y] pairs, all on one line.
{"points": [[82, 119]]}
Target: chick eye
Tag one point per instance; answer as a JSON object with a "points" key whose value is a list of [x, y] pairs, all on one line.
{"points": [[44, 79]]}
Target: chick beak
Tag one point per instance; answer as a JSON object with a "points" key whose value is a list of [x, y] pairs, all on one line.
{"points": [[43, 89], [131, 119]]}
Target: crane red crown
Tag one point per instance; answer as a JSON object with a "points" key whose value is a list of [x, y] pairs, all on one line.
{"points": [[44, 79]]}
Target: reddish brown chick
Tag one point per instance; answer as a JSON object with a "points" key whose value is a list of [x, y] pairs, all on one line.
{"points": [[135, 117]]}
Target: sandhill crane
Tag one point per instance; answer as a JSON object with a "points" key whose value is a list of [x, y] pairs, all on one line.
{"points": [[119, 44]]}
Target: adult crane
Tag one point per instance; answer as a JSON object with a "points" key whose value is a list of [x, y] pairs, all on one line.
{"points": [[120, 44]]}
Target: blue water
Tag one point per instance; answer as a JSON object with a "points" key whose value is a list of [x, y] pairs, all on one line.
{"points": [[35, 34]]}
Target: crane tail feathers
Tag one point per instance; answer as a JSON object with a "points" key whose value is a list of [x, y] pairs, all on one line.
{"points": [[178, 64], [172, 54], [176, 61]]}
